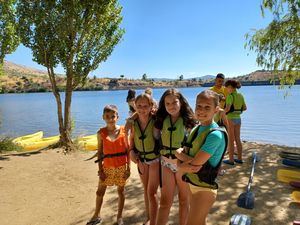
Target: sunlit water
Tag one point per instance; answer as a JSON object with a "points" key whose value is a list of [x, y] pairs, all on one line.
{"points": [[271, 117]]}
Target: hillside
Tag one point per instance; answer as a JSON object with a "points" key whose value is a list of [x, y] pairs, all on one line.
{"points": [[19, 79]]}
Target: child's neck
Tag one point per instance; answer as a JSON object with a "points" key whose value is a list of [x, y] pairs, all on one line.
{"points": [[206, 123], [144, 119], [174, 117], [111, 127]]}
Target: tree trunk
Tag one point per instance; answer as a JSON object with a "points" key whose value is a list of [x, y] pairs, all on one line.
{"points": [[68, 120], [56, 94]]}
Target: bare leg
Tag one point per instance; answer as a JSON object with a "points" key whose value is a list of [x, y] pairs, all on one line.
{"points": [[231, 140], [167, 195], [201, 203], [237, 136], [153, 183], [99, 200], [184, 199], [121, 201], [144, 168]]}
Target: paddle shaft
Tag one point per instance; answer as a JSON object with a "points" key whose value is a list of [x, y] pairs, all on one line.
{"points": [[252, 173]]}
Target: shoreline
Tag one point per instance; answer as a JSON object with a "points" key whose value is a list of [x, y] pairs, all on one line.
{"points": [[48, 187]]}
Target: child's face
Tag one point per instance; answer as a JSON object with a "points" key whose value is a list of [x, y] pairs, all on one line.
{"points": [[131, 103], [172, 105], [229, 89], [110, 117], [205, 109], [219, 82], [143, 107]]}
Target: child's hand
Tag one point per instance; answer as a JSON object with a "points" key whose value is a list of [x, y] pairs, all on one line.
{"points": [[102, 175], [133, 156], [126, 174]]}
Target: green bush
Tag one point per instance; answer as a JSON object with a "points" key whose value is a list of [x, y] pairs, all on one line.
{"points": [[6, 145]]}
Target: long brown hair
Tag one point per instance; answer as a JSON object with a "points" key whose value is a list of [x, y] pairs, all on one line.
{"points": [[186, 111]]}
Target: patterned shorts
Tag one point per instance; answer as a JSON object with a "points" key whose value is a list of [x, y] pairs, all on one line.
{"points": [[114, 176]]}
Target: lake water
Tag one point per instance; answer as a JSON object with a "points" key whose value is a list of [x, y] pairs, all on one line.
{"points": [[271, 117]]}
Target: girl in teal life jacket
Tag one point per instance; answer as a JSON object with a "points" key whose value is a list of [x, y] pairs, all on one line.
{"points": [[235, 106], [143, 153], [174, 119], [202, 157]]}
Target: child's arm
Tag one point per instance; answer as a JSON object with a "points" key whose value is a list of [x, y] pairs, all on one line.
{"points": [[133, 156], [100, 160], [156, 133], [182, 156], [224, 118], [128, 155], [130, 121]]}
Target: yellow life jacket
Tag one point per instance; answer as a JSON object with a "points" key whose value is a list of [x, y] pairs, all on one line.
{"points": [[144, 143], [206, 176], [172, 136]]}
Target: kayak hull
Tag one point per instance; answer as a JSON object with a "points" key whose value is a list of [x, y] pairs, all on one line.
{"points": [[293, 163], [40, 144], [296, 196], [30, 137], [287, 176]]}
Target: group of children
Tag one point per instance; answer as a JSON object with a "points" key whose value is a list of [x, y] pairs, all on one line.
{"points": [[174, 148]]}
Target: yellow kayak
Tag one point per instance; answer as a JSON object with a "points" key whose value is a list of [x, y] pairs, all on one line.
{"points": [[287, 176], [84, 138], [296, 196], [30, 137], [89, 144], [40, 144]]}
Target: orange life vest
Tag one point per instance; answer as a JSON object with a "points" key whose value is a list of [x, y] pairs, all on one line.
{"points": [[114, 152]]}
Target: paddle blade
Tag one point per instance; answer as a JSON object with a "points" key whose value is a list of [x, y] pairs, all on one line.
{"points": [[240, 219], [246, 200]]}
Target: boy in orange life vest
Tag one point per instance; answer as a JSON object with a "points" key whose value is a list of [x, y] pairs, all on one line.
{"points": [[113, 161]]}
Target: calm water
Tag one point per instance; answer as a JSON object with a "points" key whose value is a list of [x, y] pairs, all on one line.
{"points": [[271, 117]]}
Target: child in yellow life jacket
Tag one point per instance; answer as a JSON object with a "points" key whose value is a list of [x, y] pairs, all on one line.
{"points": [[235, 106], [202, 157], [144, 154], [113, 161], [174, 119]]}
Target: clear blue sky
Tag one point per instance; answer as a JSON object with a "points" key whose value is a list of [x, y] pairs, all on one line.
{"points": [[167, 38]]}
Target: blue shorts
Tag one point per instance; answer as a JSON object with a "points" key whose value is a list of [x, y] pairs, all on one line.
{"points": [[236, 121]]}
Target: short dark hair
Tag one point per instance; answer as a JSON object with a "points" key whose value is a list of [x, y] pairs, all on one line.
{"points": [[220, 75], [130, 95], [110, 108], [233, 83]]}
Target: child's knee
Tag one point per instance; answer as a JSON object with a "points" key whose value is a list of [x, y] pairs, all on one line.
{"points": [[100, 192], [166, 201]]}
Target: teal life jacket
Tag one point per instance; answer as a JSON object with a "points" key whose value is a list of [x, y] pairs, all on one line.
{"points": [[172, 136], [144, 142], [206, 176]]}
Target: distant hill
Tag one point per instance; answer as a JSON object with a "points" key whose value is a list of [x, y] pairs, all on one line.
{"points": [[18, 79], [203, 78], [20, 70]]}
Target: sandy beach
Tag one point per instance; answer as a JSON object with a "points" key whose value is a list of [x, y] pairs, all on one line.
{"points": [[49, 187]]}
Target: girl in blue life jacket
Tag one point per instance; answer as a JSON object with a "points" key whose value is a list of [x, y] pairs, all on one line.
{"points": [[144, 154], [235, 106], [174, 119], [202, 158]]}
